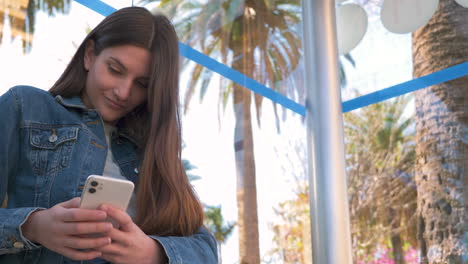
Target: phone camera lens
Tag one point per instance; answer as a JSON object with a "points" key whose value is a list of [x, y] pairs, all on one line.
{"points": [[92, 190], [94, 183]]}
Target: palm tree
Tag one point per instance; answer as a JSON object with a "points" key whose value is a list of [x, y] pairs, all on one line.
{"points": [[22, 16], [215, 222], [258, 39], [380, 157], [442, 132]]}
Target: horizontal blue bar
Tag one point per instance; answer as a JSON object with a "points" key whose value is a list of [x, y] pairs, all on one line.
{"points": [[438, 77], [240, 78], [98, 6]]}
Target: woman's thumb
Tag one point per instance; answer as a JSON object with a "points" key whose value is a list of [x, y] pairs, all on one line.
{"points": [[72, 203]]}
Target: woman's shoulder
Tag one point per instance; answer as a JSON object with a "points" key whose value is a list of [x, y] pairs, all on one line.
{"points": [[38, 106], [26, 90], [29, 99], [31, 95]]}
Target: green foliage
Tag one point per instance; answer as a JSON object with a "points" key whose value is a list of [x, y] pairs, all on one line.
{"points": [[214, 221], [380, 155], [292, 228], [52, 7], [188, 167]]}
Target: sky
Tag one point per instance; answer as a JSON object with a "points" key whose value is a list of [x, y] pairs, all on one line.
{"points": [[382, 59]]}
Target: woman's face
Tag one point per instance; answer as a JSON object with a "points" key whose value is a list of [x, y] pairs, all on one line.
{"points": [[117, 80]]}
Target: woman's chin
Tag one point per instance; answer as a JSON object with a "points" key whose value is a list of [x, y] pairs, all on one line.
{"points": [[110, 120]]}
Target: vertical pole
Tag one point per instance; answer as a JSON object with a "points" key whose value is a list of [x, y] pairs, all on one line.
{"points": [[331, 237]]}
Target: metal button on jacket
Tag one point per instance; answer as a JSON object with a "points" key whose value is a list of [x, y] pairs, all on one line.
{"points": [[18, 245], [53, 138]]}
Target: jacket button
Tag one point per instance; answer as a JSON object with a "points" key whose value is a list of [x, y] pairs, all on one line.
{"points": [[136, 170], [18, 245], [53, 138]]}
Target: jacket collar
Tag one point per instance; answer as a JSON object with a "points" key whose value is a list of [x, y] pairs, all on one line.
{"points": [[72, 102], [76, 102]]}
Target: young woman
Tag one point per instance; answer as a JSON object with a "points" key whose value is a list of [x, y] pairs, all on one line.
{"points": [[114, 112]]}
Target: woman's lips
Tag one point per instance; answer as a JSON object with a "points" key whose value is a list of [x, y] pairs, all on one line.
{"points": [[114, 104]]}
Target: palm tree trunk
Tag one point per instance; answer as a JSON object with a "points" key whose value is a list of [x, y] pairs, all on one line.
{"points": [[246, 182], [249, 249], [395, 238], [397, 248], [441, 137]]}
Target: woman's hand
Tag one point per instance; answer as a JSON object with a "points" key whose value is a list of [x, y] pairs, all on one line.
{"points": [[129, 243], [63, 229]]}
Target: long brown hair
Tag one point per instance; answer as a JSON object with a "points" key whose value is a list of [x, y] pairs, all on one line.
{"points": [[166, 202]]}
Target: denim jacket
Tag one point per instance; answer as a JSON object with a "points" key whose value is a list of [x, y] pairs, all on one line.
{"points": [[48, 147]]}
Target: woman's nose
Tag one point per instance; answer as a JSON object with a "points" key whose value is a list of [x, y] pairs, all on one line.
{"points": [[123, 91]]}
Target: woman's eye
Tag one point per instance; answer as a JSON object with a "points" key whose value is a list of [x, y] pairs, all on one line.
{"points": [[114, 70]]}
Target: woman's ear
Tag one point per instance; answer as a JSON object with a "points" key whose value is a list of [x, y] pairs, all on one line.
{"points": [[89, 54]]}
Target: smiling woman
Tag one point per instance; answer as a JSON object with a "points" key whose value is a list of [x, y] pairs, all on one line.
{"points": [[108, 115], [117, 80]]}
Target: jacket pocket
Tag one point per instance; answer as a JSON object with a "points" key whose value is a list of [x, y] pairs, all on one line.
{"points": [[51, 148]]}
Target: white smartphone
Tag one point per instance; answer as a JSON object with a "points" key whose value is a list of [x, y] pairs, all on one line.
{"points": [[99, 190]]}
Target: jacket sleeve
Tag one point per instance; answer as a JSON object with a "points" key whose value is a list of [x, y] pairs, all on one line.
{"points": [[199, 248], [11, 237]]}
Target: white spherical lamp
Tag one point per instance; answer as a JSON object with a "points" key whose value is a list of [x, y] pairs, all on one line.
{"points": [[351, 25], [405, 16]]}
